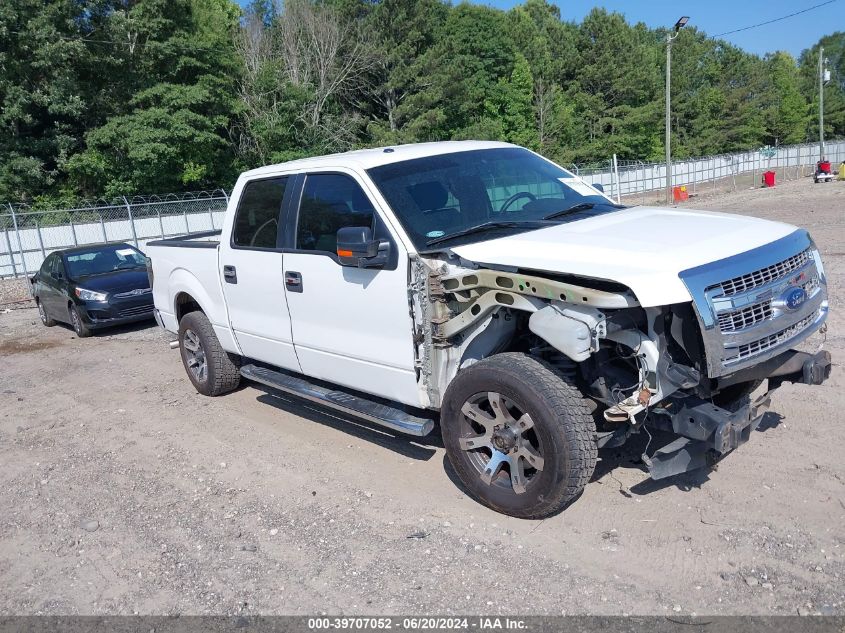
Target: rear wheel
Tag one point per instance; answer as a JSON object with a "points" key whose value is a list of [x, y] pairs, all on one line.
{"points": [[76, 322], [518, 435], [47, 321], [211, 369]]}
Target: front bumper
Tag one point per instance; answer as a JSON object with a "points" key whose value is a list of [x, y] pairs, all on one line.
{"points": [[708, 432], [100, 314]]}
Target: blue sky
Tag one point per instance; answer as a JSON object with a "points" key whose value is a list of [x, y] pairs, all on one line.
{"points": [[719, 16]]}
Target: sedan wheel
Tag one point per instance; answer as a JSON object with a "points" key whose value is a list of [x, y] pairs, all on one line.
{"points": [[47, 321], [79, 327]]}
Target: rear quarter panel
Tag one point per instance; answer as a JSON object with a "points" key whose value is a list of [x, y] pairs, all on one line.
{"points": [[193, 271]]}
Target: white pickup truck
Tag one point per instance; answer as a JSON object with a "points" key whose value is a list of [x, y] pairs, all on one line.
{"points": [[482, 287]]}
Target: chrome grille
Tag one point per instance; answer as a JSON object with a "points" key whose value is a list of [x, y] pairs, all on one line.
{"points": [[766, 275], [746, 317], [757, 347]]}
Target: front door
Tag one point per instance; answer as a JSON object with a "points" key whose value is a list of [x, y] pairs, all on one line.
{"points": [[252, 274], [351, 326]]}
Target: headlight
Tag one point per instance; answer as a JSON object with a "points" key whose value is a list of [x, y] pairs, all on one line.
{"points": [[90, 295]]}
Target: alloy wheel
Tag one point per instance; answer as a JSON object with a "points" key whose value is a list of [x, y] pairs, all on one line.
{"points": [[195, 355], [500, 439]]}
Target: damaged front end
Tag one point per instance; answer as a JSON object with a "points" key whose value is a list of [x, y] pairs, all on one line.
{"points": [[687, 368], [751, 310]]}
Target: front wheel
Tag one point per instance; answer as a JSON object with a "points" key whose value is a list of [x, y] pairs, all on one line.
{"points": [[518, 435], [77, 323], [211, 369]]}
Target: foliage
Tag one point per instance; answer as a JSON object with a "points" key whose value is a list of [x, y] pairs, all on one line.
{"points": [[111, 97]]}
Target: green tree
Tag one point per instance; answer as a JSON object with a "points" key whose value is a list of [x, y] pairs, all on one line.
{"points": [[785, 106], [175, 132]]}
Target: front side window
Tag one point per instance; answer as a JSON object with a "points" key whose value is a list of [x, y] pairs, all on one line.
{"points": [[330, 202], [257, 217], [436, 196]]}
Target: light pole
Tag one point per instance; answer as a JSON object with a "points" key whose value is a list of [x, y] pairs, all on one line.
{"points": [[669, 39], [824, 77]]}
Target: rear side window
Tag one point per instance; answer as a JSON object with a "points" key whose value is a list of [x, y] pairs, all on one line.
{"points": [[330, 202], [257, 217]]}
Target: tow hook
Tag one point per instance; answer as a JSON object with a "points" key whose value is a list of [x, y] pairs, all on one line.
{"points": [[816, 369]]}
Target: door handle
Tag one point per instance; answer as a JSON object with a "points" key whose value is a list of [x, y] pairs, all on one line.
{"points": [[230, 274], [293, 281]]}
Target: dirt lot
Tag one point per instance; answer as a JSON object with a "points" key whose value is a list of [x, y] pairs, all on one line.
{"points": [[123, 491]]}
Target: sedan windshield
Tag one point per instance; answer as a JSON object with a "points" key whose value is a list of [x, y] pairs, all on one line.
{"points": [[103, 259], [461, 197]]}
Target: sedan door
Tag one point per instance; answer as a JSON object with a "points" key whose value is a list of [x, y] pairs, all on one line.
{"points": [[53, 294], [351, 326]]}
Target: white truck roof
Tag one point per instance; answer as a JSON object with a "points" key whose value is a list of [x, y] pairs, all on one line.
{"points": [[368, 158]]}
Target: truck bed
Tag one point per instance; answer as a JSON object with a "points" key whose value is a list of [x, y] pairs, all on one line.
{"points": [[191, 240]]}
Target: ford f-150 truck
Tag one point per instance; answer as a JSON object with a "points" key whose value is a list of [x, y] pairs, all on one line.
{"points": [[480, 286]]}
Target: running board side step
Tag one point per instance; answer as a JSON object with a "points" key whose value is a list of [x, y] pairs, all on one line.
{"points": [[381, 414]]}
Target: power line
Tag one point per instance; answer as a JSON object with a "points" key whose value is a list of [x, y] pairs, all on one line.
{"points": [[791, 15]]}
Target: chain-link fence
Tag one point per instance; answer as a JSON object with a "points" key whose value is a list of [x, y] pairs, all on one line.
{"points": [[640, 181], [28, 235]]}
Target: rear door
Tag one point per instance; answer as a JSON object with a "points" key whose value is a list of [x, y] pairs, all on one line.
{"points": [[351, 326], [54, 295], [252, 273]]}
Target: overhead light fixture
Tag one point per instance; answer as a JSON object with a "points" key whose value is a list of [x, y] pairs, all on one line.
{"points": [[681, 23]]}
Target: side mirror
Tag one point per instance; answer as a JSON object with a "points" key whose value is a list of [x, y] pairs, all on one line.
{"points": [[356, 247], [598, 186]]}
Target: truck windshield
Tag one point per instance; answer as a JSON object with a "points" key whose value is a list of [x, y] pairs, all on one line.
{"points": [[480, 194]]}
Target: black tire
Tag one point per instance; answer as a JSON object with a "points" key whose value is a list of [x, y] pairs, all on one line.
{"points": [[210, 368], [42, 313], [77, 324], [561, 432]]}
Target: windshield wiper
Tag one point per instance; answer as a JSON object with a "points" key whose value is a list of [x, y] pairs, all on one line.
{"points": [[581, 206], [480, 228]]}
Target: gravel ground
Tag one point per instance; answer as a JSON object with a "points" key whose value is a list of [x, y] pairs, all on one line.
{"points": [[123, 491], [14, 293]]}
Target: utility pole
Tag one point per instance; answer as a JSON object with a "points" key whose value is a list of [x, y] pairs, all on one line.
{"points": [[822, 77], [670, 37]]}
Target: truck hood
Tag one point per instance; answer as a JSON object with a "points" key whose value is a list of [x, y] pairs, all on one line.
{"points": [[643, 248]]}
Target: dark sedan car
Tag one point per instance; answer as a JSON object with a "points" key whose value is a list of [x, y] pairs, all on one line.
{"points": [[95, 286]]}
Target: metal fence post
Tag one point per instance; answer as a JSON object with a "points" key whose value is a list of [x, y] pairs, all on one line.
{"points": [[18, 237], [131, 221], [160, 223], [11, 254], [40, 240], [185, 214], [103, 228], [73, 230], [211, 216]]}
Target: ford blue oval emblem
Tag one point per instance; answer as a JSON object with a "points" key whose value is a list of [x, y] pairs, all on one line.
{"points": [[794, 298]]}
